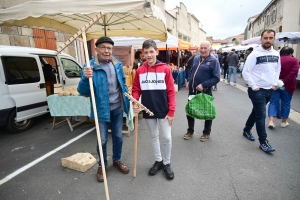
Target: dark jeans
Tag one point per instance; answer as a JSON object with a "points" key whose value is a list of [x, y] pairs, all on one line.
{"points": [[191, 120], [225, 72], [187, 72], [259, 101]]}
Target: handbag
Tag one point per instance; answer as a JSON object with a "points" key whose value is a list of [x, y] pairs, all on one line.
{"points": [[201, 107]]}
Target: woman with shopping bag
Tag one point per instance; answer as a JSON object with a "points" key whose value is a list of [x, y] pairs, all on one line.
{"points": [[205, 73]]}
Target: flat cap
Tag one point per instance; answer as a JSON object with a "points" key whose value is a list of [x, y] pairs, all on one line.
{"points": [[104, 39]]}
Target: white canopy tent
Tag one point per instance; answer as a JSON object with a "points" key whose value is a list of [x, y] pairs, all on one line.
{"points": [[137, 43], [136, 18], [281, 38], [239, 47]]}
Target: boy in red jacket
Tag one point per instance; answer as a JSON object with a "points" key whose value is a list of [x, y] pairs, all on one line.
{"points": [[154, 81]]}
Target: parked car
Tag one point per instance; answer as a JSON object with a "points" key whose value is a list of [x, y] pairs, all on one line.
{"points": [[27, 77]]}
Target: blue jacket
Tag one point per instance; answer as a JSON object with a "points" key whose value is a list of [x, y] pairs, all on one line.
{"points": [[208, 73], [100, 84]]}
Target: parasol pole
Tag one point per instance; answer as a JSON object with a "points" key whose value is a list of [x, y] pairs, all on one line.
{"points": [[96, 116], [76, 35], [104, 20], [136, 124]]}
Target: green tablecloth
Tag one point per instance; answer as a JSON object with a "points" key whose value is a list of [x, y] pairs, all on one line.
{"points": [[78, 106], [69, 105]]}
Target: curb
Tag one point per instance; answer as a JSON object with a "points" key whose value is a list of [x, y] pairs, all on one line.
{"points": [[294, 115]]}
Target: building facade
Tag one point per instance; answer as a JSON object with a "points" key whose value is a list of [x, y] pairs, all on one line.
{"points": [[281, 16]]}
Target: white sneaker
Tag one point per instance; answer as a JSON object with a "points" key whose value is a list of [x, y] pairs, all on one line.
{"points": [[272, 125], [283, 125], [234, 84], [228, 83]]}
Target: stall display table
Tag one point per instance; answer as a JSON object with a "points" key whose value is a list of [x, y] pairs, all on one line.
{"points": [[68, 106], [181, 78]]}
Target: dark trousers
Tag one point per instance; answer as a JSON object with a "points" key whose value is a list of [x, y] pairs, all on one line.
{"points": [[191, 120], [257, 116], [225, 72]]}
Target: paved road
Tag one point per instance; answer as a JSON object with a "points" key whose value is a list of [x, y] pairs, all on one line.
{"points": [[227, 166]]}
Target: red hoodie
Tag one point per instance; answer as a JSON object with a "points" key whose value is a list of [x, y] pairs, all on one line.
{"points": [[156, 85]]}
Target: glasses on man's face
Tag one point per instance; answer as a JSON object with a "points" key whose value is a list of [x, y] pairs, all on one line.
{"points": [[105, 47]]}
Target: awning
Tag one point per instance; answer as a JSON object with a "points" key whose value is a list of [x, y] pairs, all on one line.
{"points": [[136, 43], [137, 18]]}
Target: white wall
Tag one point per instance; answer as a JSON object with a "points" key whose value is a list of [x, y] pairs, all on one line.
{"points": [[291, 21]]}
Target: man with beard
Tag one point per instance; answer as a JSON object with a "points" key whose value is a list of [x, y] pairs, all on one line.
{"points": [[261, 72]]}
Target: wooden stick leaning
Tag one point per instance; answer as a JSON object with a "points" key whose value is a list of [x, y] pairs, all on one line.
{"points": [[136, 125], [76, 35], [96, 116]]}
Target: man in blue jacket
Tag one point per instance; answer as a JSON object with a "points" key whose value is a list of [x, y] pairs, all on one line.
{"points": [[205, 74], [109, 87]]}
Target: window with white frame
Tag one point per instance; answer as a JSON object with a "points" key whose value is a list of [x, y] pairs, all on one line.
{"points": [[273, 15], [267, 20], [281, 9]]}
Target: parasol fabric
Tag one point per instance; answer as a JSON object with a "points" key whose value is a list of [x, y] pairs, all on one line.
{"points": [[137, 18]]}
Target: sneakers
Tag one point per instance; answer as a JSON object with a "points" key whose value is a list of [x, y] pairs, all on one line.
{"points": [[266, 147], [169, 174], [228, 83], [249, 136], [155, 168], [283, 125], [271, 125], [234, 84], [204, 138], [187, 136]]}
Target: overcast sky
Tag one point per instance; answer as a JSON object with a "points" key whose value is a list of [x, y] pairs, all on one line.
{"points": [[221, 18]]}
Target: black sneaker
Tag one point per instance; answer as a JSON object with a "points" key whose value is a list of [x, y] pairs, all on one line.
{"points": [[168, 172], [155, 168]]}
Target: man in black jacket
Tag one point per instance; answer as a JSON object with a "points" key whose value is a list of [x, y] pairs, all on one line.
{"points": [[233, 62]]}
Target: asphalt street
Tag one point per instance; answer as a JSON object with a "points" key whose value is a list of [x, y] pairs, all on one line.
{"points": [[227, 166]]}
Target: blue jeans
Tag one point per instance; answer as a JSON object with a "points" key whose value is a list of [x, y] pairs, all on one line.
{"points": [[285, 98], [116, 122], [259, 101], [232, 69]]}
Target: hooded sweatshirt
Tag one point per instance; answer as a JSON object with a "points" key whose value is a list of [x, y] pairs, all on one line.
{"points": [[262, 68], [156, 85], [233, 59]]}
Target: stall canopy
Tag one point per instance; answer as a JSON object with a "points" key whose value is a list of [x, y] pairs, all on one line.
{"points": [[137, 18], [281, 38], [183, 45], [136, 43], [239, 47]]}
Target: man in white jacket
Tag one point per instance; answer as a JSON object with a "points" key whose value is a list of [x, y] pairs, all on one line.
{"points": [[261, 72]]}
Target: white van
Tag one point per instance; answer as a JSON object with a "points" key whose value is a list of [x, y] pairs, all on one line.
{"points": [[24, 79]]}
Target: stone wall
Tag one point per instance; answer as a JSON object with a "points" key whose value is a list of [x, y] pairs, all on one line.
{"points": [[23, 36]]}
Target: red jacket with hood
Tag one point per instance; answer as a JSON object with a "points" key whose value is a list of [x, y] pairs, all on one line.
{"points": [[156, 85]]}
